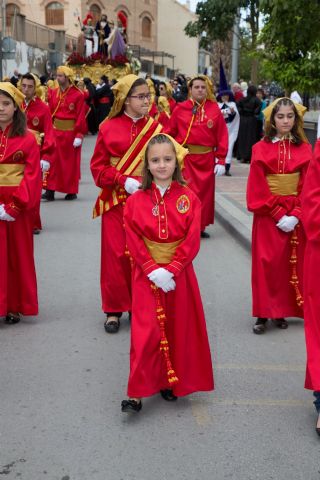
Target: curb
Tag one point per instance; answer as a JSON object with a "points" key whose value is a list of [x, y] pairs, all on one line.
{"points": [[233, 226]]}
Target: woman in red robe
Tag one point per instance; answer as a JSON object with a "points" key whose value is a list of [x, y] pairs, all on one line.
{"points": [[278, 167], [170, 352], [311, 223], [19, 191], [116, 169]]}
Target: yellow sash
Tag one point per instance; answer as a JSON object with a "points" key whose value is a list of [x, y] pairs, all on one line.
{"points": [[129, 164], [11, 174], [64, 125], [283, 183], [161, 252], [135, 166], [198, 149]]}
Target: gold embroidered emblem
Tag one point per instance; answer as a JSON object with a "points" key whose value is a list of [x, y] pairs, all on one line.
{"points": [[210, 123], [17, 156], [35, 121], [183, 204], [71, 106]]}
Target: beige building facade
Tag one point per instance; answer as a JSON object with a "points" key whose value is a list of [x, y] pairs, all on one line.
{"points": [[172, 19], [65, 14]]}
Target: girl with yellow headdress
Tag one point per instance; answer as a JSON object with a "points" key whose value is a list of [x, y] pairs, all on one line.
{"points": [[278, 167], [116, 168], [19, 192], [169, 351]]}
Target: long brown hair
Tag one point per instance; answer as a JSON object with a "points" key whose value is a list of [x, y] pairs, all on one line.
{"points": [[19, 121], [270, 128], [147, 178]]}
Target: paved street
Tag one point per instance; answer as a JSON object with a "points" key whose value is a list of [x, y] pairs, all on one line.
{"points": [[63, 378]]}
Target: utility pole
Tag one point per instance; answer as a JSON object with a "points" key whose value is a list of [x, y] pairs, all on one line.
{"points": [[2, 34], [235, 49]]}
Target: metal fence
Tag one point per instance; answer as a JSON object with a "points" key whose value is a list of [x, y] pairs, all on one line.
{"points": [[36, 35]]}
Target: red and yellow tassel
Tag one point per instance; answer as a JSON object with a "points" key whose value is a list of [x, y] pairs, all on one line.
{"points": [[164, 344], [294, 260]]}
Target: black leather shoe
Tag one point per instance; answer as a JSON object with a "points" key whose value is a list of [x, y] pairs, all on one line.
{"points": [[71, 196], [36, 231], [48, 195], [12, 319], [280, 323], [112, 326], [260, 326], [168, 395], [228, 174], [129, 406], [204, 234]]}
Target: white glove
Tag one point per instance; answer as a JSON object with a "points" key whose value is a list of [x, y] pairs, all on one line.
{"points": [[45, 165], [131, 185], [77, 142], [171, 285], [4, 215], [160, 277], [287, 223], [219, 170]]}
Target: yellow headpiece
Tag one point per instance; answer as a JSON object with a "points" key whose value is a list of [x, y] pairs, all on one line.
{"points": [[181, 152], [206, 79], [37, 83], [169, 89], [151, 86], [121, 90], [67, 71], [163, 105], [301, 110], [14, 93]]}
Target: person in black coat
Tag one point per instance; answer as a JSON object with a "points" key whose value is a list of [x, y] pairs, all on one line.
{"points": [[103, 31], [92, 115], [249, 108], [104, 98]]}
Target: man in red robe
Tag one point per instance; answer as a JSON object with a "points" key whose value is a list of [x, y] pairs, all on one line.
{"points": [[66, 104], [40, 123], [199, 125]]}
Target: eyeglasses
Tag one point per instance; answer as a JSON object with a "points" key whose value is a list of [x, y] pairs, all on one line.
{"points": [[142, 97]]}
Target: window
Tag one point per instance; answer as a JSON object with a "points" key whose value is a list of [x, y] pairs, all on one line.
{"points": [[95, 10], [146, 27], [11, 10], [54, 14]]}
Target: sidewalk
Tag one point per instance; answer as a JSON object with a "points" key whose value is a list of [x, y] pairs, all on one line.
{"points": [[230, 203]]}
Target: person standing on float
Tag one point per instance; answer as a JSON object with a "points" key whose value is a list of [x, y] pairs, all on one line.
{"points": [[278, 168], [116, 169], [19, 192], [40, 123], [66, 104], [199, 125]]}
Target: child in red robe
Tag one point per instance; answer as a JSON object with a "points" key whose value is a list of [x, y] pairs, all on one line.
{"points": [[278, 168], [311, 222], [19, 192], [170, 352]]}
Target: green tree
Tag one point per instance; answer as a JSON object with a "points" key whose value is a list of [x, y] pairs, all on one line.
{"points": [[291, 39], [217, 17]]}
